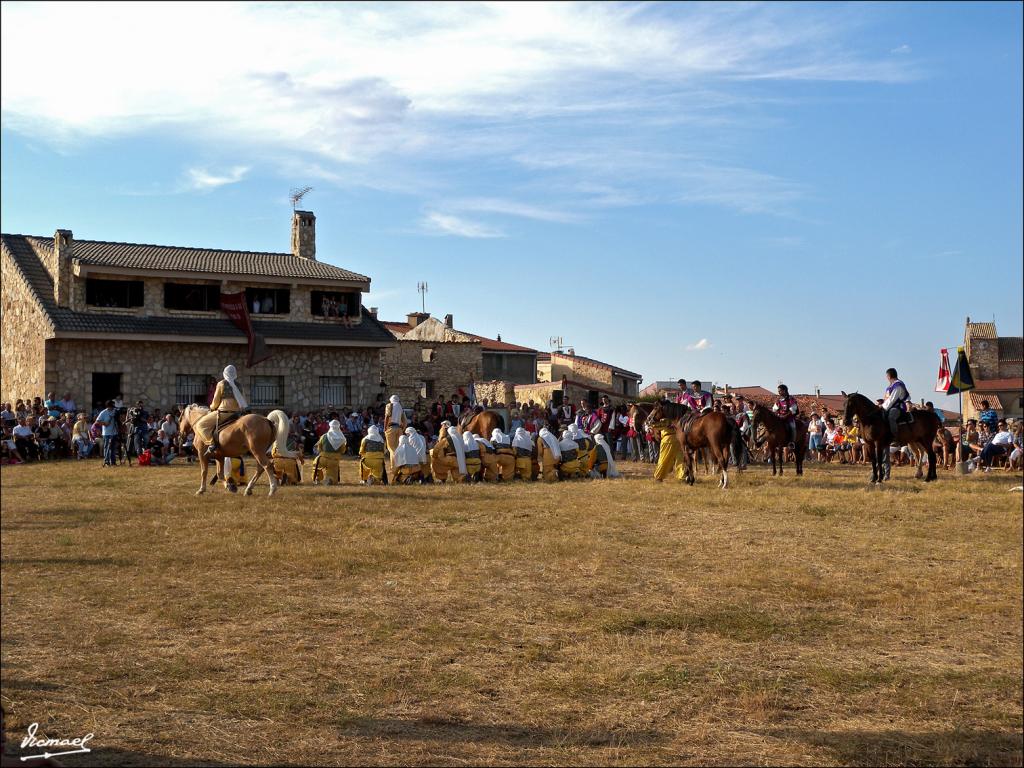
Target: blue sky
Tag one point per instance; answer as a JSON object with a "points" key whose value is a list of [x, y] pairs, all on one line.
{"points": [[737, 192]]}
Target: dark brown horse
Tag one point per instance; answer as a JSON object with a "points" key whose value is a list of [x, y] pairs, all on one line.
{"points": [[777, 436], [874, 429], [714, 431]]}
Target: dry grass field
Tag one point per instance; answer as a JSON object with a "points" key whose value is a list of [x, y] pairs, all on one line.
{"points": [[799, 621]]}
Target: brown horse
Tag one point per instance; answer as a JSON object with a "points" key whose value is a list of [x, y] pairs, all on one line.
{"points": [[483, 423], [777, 436], [874, 428], [251, 433], [714, 431]]}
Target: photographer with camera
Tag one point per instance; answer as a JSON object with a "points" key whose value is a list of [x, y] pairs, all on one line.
{"points": [[138, 428]]}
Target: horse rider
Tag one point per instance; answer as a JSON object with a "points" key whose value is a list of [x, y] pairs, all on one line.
{"points": [[681, 396], [394, 425], [787, 408], [895, 403], [330, 448], [228, 404], [698, 400]]}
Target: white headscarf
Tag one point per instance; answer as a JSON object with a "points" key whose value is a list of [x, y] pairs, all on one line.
{"points": [[405, 454], [498, 437], [335, 436], [373, 432], [567, 443], [522, 440], [416, 441], [484, 441], [469, 439], [459, 447], [396, 410], [230, 374], [612, 470], [552, 443], [575, 432]]}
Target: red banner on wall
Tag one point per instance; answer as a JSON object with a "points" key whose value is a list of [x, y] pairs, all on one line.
{"points": [[234, 307]]}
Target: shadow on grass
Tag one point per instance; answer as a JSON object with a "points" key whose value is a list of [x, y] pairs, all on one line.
{"points": [[114, 561], [454, 729], [28, 685], [953, 747], [128, 757]]}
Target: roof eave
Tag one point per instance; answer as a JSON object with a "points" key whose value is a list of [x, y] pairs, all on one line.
{"points": [[82, 269]]}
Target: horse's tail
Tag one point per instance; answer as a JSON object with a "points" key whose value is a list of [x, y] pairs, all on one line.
{"points": [[280, 421]]}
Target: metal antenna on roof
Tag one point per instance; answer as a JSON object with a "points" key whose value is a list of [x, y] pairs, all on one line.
{"points": [[423, 288], [555, 342], [297, 194]]}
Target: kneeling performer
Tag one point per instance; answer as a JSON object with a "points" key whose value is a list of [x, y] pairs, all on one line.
{"points": [[371, 457], [329, 450]]}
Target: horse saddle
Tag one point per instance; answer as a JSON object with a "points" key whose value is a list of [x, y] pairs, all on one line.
{"points": [[905, 417], [687, 422]]}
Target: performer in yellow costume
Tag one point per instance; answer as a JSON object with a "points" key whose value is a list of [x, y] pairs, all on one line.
{"points": [[604, 466], [504, 454], [670, 457], [586, 450], [471, 451], [448, 456], [569, 469], [371, 457], [330, 448], [549, 453], [407, 462], [526, 452], [228, 402], [394, 425], [286, 467], [419, 443]]}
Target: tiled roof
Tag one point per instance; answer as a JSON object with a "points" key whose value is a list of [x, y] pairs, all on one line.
{"points": [[1011, 349], [398, 329], [493, 345], [976, 398], [36, 275], [998, 385], [981, 330], [171, 258]]}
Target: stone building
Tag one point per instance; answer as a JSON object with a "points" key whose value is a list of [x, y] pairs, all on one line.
{"points": [[602, 377], [997, 363], [97, 318], [433, 358]]}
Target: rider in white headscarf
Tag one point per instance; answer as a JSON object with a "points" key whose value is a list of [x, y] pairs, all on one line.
{"points": [[228, 401], [605, 463]]}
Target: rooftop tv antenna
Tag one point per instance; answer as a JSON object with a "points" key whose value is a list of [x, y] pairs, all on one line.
{"points": [[555, 342], [423, 288], [297, 194]]}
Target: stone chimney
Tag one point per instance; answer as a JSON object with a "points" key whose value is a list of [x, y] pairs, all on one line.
{"points": [[571, 351], [373, 312], [415, 318], [60, 268], [304, 235], [449, 321]]}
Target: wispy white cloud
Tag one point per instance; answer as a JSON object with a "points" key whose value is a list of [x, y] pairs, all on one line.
{"points": [[699, 346], [902, 49], [203, 180], [384, 95], [446, 224]]}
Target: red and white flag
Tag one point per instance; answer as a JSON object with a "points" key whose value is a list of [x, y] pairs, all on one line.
{"points": [[945, 376]]}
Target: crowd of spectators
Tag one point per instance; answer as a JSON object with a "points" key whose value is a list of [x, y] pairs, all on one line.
{"points": [[44, 429]]}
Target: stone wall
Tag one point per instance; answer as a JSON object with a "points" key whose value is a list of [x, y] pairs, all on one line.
{"points": [[497, 392], [450, 365], [575, 391], [516, 367], [23, 328], [580, 370], [149, 369]]}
